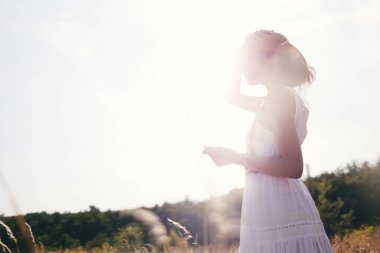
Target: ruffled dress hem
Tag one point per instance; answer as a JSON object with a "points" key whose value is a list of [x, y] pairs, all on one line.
{"points": [[305, 244]]}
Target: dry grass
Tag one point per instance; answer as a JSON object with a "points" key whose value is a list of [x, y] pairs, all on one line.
{"points": [[108, 249], [364, 240]]}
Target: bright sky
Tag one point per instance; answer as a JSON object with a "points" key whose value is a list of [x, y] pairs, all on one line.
{"points": [[107, 103]]}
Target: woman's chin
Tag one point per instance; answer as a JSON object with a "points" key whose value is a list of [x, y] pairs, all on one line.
{"points": [[252, 79]]}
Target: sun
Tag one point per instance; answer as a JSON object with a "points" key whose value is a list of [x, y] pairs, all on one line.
{"points": [[206, 117]]}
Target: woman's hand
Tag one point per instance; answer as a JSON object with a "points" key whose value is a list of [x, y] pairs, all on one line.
{"points": [[221, 156], [232, 92]]}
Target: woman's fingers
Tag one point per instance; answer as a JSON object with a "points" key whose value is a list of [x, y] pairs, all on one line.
{"points": [[219, 155], [209, 149], [212, 154]]}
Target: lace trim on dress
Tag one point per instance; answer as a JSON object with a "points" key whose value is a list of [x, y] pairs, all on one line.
{"points": [[288, 226], [283, 232], [263, 222]]}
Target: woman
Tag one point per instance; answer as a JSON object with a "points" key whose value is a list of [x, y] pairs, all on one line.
{"points": [[278, 213]]}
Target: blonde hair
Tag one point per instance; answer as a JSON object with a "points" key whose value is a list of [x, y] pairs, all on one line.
{"points": [[285, 64]]}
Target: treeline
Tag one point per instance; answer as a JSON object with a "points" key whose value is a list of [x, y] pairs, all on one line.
{"points": [[347, 199]]}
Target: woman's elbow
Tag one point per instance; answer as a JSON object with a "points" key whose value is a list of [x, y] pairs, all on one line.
{"points": [[297, 175], [297, 171]]}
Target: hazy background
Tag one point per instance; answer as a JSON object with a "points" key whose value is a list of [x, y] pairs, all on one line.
{"points": [[107, 103]]}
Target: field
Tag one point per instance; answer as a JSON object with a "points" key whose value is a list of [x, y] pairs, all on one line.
{"points": [[364, 240]]}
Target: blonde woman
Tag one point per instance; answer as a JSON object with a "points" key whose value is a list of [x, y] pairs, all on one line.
{"points": [[278, 213]]}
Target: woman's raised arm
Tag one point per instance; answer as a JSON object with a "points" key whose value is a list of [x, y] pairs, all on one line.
{"points": [[232, 93]]}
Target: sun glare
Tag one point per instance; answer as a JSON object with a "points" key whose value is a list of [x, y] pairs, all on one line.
{"points": [[204, 68]]}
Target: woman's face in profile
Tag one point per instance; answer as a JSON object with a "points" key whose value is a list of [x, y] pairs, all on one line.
{"points": [[254, 66], [257, 54]]}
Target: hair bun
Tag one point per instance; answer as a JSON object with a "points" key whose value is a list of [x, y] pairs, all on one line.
{"points": [[266, 35]]}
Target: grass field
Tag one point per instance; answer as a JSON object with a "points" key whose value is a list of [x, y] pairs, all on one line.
{"points": [[364, 240]]}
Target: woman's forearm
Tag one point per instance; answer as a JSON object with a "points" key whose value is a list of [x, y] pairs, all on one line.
{"points": [[277, 167], [233, 95], [234, 82], [232, 92]]}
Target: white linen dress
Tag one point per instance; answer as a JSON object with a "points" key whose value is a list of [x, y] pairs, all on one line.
{"points": [[278, 214]]}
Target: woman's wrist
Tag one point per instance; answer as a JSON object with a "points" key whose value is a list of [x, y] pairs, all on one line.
{"points": [[244, 160], [240, 159]]}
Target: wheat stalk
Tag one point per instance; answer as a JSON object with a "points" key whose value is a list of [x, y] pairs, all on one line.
{"points": [[184, 233], [9, 232], [4, 246], [32, 237], [20, 219]]}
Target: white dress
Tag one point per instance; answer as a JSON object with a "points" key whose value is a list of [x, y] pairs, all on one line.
{"points": [[278, 214]]}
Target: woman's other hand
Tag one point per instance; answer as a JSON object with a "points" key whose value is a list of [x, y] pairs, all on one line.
{"points": [[221, 156]]}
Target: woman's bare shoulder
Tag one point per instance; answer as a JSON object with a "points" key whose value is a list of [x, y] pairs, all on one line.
{"points": [[280, 101]]}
